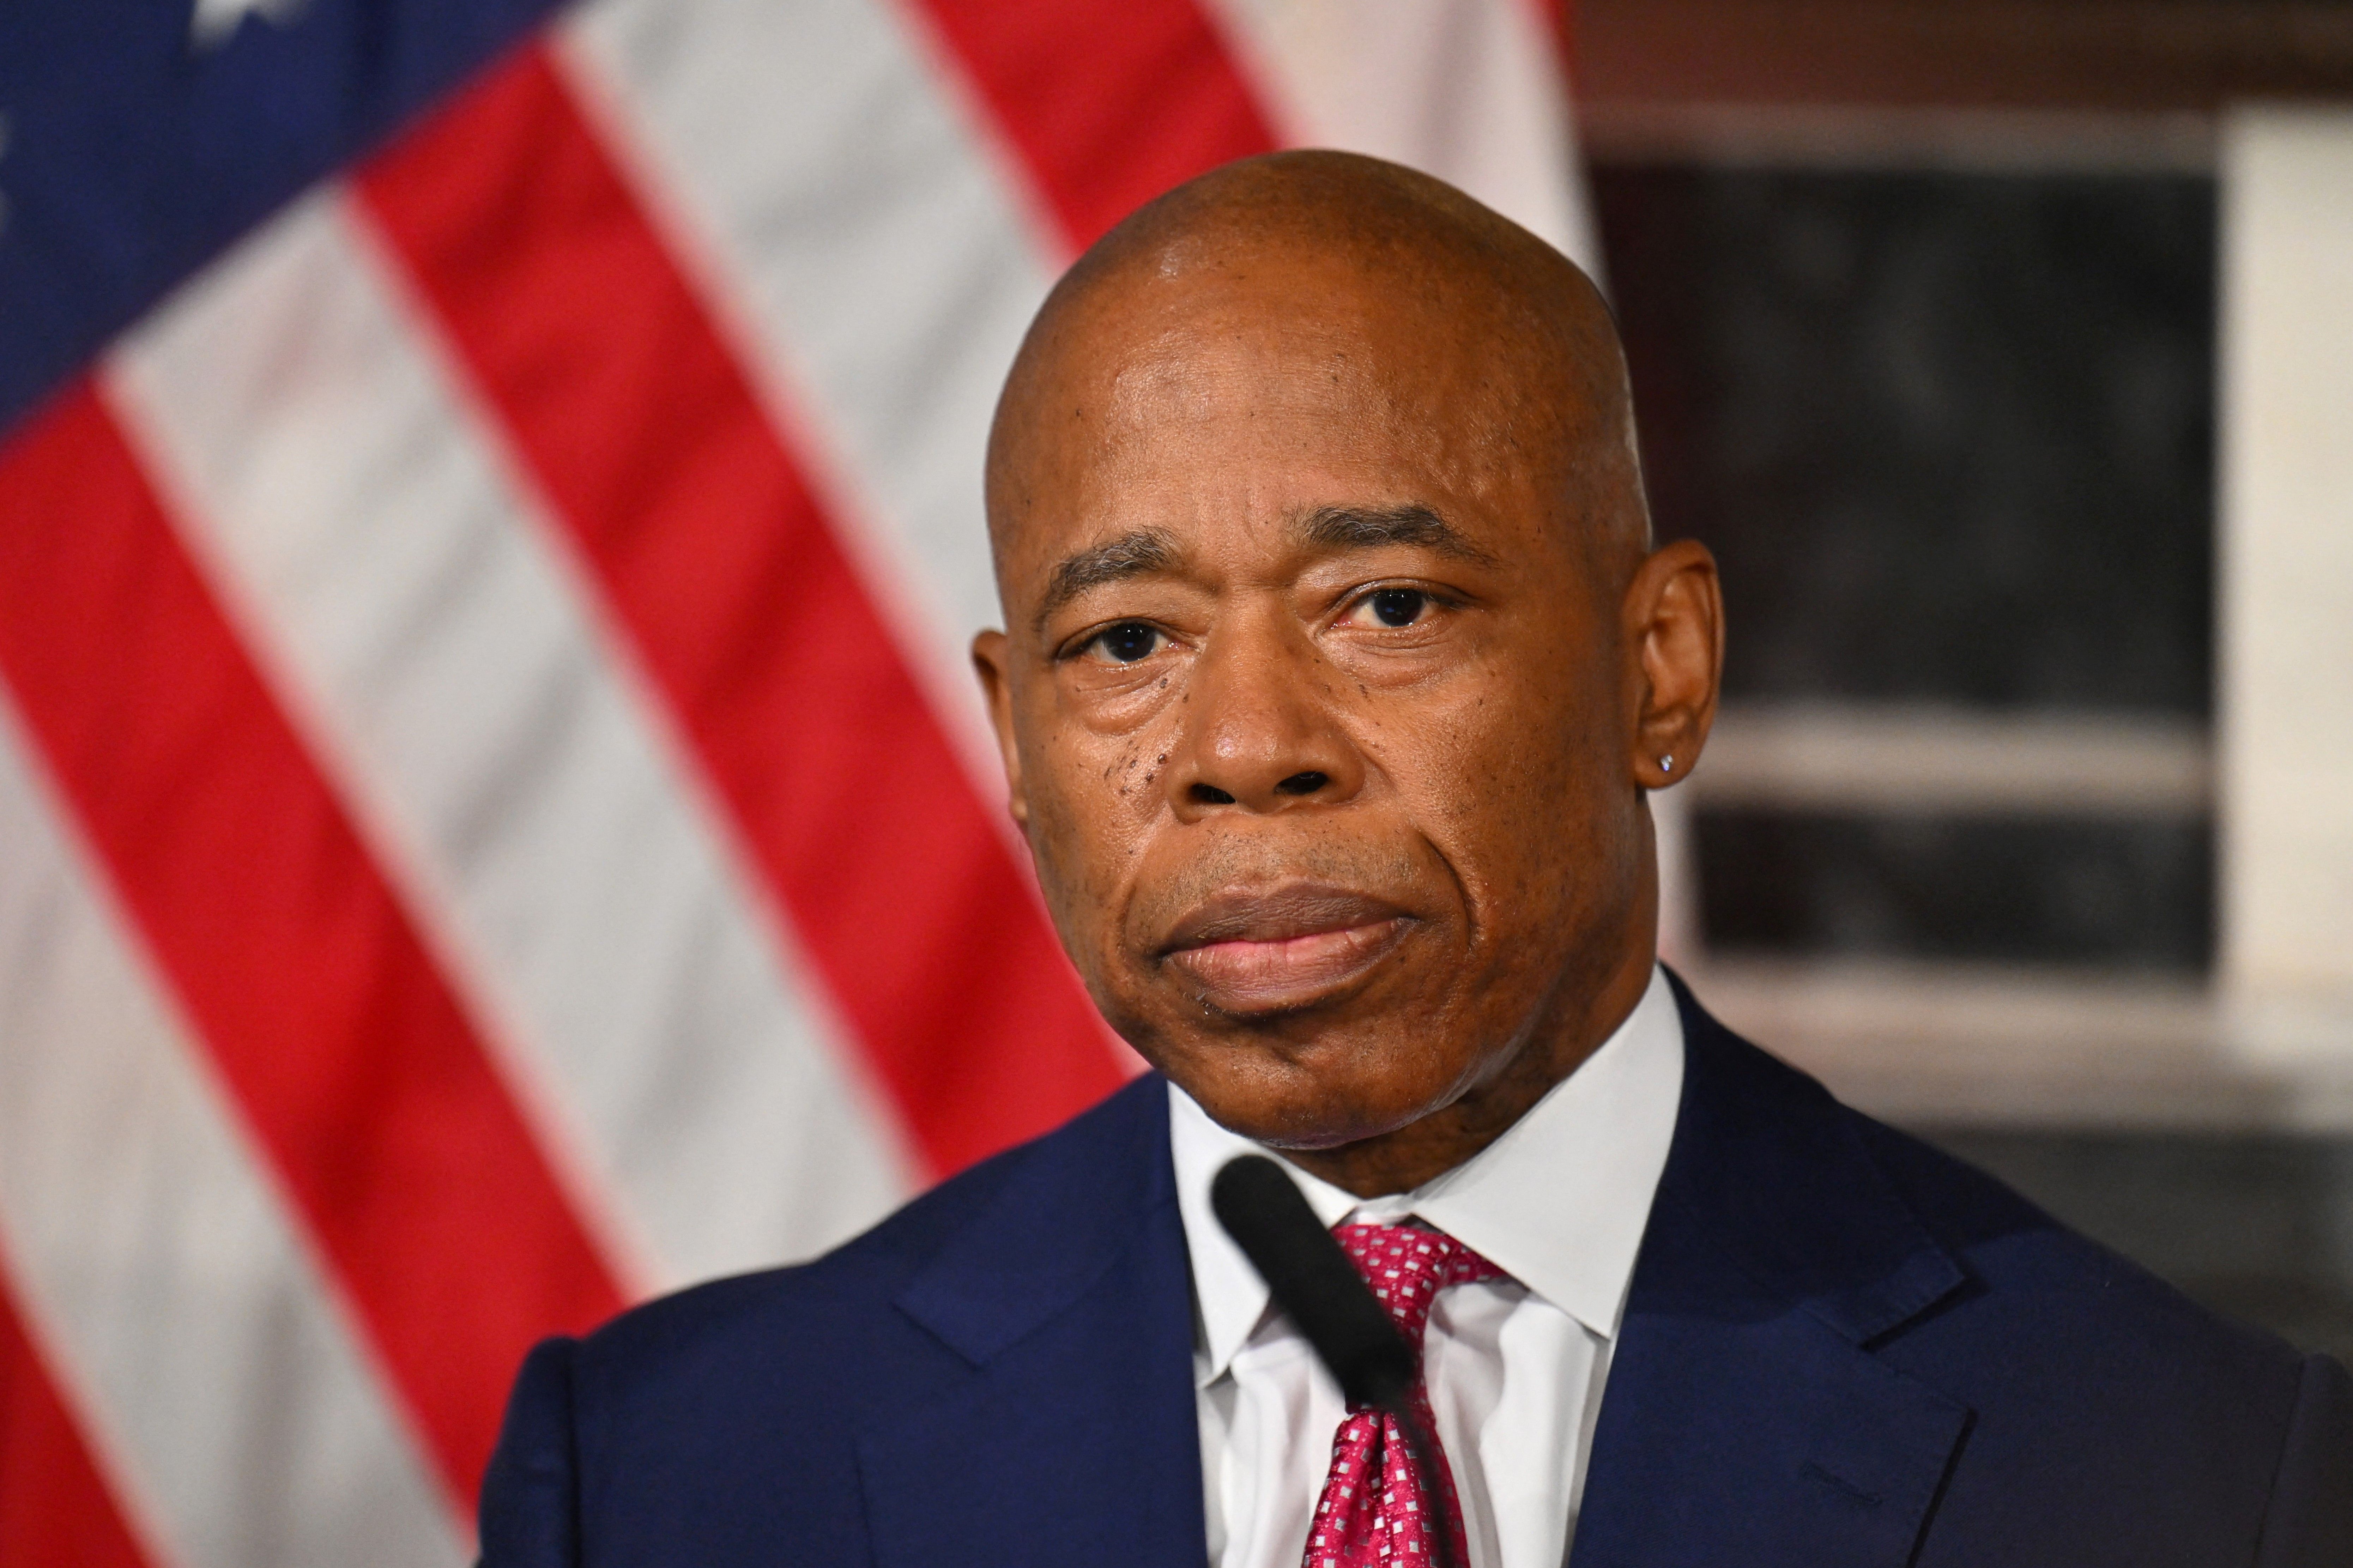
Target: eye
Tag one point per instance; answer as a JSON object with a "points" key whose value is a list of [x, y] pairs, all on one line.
{"points": [[1127, 642], [1394, 608]]}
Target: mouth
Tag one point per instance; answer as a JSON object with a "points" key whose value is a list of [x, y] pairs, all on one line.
{"points": [[1284, 948]]}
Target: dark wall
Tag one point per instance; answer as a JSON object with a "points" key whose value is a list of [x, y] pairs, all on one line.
{"points": [[1950, 435], [1949, 430]]}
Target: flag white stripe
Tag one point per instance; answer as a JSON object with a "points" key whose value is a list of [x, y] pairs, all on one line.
{"points": [[519, 783], [876, 312], [212, 1372], [1469, 91]]}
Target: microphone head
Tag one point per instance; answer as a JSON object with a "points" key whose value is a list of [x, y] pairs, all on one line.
{"points": [[1312, 1280]]}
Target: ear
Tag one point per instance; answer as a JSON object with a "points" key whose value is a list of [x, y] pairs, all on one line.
{"points": [[1674, 628], [992, 653]]}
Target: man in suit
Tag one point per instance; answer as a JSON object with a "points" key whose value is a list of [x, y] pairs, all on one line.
{"points": [[1337, 664]]}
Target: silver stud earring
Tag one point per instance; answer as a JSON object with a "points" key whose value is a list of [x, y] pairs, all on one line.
{"points": [[1667, 764]]}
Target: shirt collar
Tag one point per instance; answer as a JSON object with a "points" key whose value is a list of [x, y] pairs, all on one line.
{"points": [[1559, 1201]]}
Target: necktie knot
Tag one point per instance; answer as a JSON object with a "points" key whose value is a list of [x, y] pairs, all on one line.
{"points": [[1407, 1266]]}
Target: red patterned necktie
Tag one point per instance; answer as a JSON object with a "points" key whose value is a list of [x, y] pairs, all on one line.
{"points": [[1370, 1515]]}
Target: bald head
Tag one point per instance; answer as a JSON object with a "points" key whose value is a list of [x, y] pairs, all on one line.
{"points": [[1356, 256]]}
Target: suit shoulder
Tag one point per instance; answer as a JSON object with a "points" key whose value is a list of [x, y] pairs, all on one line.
{"points": [[720, 1319], [836, 1298], [2009, 1249], [2036, 1306], [2055, 1296], [2006, 1238], [2088, 1377]]}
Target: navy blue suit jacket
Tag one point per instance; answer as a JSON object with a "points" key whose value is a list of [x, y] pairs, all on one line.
{"points": [[1840, 1348]]}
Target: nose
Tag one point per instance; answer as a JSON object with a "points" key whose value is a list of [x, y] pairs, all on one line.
{"points": [[1260, 730]]}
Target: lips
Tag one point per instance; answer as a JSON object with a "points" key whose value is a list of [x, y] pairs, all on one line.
{"points": [[1281, 949]]}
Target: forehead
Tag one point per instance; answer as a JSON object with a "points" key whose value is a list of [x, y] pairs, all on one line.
{"points": [[1298, 324], [1268, 391]]}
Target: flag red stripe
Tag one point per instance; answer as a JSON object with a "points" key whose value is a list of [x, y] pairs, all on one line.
{"points": [[618, 391], [1106, 113], [351, 1061], [55, 1510], [1559, 18]]}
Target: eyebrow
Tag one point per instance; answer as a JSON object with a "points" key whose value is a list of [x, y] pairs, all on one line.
{"points": [[1132, 554], [1143, 551], [1367, 528]]}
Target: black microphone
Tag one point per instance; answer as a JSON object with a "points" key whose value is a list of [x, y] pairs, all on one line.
{"points": [[1327, 1300]]}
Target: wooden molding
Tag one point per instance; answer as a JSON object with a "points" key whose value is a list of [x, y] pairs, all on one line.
{"points": [[1636, 59]]}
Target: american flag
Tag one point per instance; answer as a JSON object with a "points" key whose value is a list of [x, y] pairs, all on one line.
{"points": [[494, 819]]}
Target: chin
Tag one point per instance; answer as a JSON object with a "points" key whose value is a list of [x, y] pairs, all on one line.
{"points": [[1288, 1103]]}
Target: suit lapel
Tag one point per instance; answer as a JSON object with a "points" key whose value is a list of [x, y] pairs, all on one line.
{"points": [[1745, 1420], [1073, 1439]]}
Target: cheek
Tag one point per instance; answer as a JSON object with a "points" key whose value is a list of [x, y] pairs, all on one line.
{"points": [[1091, 801], [1516, 790]]}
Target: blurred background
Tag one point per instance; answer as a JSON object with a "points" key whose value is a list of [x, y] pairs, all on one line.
{"points": [[1983, 343], [494, 823]]}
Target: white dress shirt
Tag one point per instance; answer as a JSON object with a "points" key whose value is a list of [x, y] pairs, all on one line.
{"points": [[1514, 1366]]}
